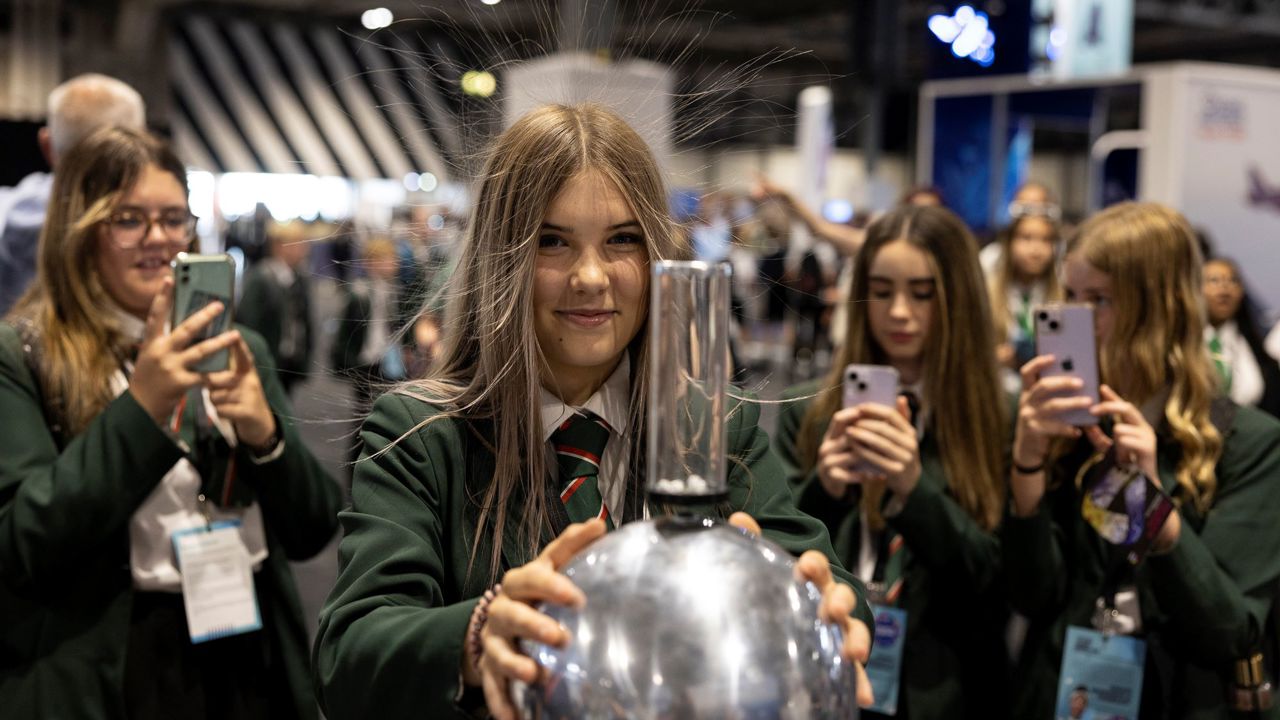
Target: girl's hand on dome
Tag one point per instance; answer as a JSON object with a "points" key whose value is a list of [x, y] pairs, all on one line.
{"points": [[512, 616], [838, 603]]}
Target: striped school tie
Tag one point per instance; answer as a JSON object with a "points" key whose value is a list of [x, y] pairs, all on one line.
{"points": [[579, 443], [893, 563]]}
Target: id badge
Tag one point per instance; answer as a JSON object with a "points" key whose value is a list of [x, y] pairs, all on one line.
{"points": [[217, 581], [884, 667], [1101, 676]]}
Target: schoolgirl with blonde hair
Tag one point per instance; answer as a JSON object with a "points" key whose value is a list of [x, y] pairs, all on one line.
{"points": [[1204, 600]]}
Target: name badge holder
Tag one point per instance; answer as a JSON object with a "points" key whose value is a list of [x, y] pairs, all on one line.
{"points": [[217, 581], [1102, 666], [884, 667]]}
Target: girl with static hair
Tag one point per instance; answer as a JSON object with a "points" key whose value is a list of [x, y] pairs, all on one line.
{"points": [[1205, 598], [1026, 275], [912, 494], [458, 483], [112, 444]]}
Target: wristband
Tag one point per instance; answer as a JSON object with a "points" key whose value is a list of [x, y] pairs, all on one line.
{"points": [[1028, 470], [479, 617]]}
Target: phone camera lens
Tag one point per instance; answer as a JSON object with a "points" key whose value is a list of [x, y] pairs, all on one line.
{"points": [[862, 387], [853, 376], [1053, 325], [1043, 316]]}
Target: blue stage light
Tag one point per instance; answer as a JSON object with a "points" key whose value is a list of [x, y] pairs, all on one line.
{"points": [[968, 32]]}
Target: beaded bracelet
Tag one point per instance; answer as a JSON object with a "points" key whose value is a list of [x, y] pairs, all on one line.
{"points": [[479, 616]]}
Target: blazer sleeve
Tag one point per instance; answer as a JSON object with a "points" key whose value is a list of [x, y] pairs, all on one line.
{"points": [[1218, 584], [944, 536], [1034, 562], [58, 507], [299, 499], [390, 641], [757, 486], [810, 497]]}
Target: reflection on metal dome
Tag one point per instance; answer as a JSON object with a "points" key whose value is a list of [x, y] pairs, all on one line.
{"points": [[689, 618]]}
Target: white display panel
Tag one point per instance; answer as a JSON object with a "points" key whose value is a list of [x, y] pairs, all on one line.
{"points": [[1230, 179]]}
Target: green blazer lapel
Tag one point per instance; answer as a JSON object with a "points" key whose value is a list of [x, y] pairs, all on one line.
{"points": [[481, 464]]}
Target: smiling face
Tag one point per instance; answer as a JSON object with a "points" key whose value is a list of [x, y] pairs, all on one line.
{"points": [[132, 276], [590, 287], [902, 294]]}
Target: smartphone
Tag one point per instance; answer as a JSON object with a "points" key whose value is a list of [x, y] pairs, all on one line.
{"points": [[197, 281], [1065, 331], [870, 384]]}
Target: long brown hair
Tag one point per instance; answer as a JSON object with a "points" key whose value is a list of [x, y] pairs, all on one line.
{"points": [[80, 341], [1003, 277], [959, 358], [490, 364], [1151, 255]]}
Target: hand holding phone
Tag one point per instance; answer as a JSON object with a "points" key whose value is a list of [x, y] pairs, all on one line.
{"points": [[160, 371], [876, 384]]}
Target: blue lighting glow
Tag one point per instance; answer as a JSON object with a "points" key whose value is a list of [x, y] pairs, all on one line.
{"points": [[837, 210], [968, 32]]}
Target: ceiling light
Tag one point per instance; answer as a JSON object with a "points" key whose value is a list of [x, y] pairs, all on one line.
{"points": [[377, 18]]}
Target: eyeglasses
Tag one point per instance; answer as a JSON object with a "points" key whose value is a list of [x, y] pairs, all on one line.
{"points": [[129, 228]]}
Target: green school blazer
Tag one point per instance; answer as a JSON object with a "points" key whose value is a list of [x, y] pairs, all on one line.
{"points": [[954, 664], [1211, 600], [65, 587], [391, 633]]}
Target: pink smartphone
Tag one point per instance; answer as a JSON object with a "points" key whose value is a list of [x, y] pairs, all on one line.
{"points": [[870, 384], [1066, 331]]}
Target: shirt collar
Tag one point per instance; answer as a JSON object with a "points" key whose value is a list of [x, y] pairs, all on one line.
{"points": [[132, 329], [1227, 332], [612, 402]]}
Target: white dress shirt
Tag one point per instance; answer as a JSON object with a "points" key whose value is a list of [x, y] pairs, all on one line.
{"points": [[1246, 377]]}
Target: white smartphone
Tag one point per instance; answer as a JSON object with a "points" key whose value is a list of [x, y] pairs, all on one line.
{"points": [[1065, 330]]}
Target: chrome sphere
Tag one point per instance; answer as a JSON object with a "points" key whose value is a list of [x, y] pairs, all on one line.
{"points": [[686, 619]]}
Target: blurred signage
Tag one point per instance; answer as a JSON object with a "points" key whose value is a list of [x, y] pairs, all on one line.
{"points": [[1090, 38]]}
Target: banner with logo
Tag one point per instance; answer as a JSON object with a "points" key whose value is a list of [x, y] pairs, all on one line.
{"points": [[1231, 174]]}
